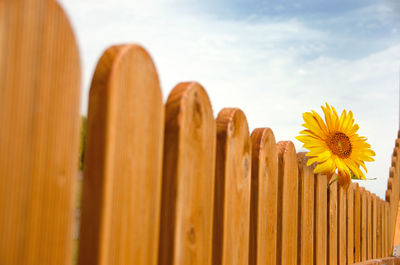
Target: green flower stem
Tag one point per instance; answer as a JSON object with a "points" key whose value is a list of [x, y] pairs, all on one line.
{"points": [[333, 181]]}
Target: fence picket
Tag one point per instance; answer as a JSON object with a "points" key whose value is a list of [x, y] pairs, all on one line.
{"points": [[232, 189], [188, 182], [364, 219], [357, 223], [342, 201], [121, 199], [321, 220], [39, 136], [374, 225], [287, 216], [264, 198], [333, 224], [306, 212], [350, 224], [369, 226], [379, 229]]}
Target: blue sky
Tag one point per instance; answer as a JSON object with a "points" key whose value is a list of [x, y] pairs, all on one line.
{"points": [[273, 59]]}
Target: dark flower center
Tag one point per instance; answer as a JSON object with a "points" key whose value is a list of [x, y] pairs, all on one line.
{"points": [[340, 144]]}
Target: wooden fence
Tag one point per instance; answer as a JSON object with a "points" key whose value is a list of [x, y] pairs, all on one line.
{"points": [[163, 184]]}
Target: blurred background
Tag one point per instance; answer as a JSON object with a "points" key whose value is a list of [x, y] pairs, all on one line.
{"points": [[273, 59]]}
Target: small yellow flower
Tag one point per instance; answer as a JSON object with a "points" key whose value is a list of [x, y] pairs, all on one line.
{"points": [[335, 144]]}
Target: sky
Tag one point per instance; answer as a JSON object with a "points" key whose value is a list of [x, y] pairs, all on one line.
{"points": [[272, 59]]}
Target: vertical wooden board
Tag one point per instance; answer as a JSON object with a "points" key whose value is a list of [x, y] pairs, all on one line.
{"points": [[357, 223], [374, 225], [394, 173], [384, 218], [387, 230], [287, 204], [264, 198], [379, 229], [320, 220], [122, 170], [369, 226], [39, 137], [342, 240], [232, 189], [188, 177], [306, 211], [393, 183], [350, 224], [364, 231], [396, 239], [333, 224]]}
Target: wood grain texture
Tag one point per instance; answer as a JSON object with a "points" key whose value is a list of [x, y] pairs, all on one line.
{"points": [[384, 230], [188, 177], [321, 220], [387, 230], [39, 136], [350, 223], [287, 204], [232, 189], [357, 223], [342, 231], [396, 239], [374, 206], [369, 226], [306, 211], [379, 228], [364, 231], [264, 198], [122, 170], [333, 224]]}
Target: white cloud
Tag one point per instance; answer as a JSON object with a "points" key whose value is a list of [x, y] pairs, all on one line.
{"points": [[273, 70]]}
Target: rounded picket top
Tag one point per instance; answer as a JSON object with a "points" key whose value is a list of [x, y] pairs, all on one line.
{"points": [[39, 138], [390, 181], [123, 160], [120, 62], [306, 207], [188, 177], [232, 188], [387, 195], [264, 197], [288, 219]]}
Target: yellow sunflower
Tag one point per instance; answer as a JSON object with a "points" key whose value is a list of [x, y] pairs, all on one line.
{"points": [[335, 144]]}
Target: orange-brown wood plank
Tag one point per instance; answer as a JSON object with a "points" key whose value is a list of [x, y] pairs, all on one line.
{"points": [[379, 229], [306, 211], [232, 189], [387, 230], [350, 223], [264, 198], [369, 226], [122, 170], [357, 223], [364, 231], [342, 239], [384, 249], [333, 224], [39, 137], [320, 220], [396, 239], [287, 204], [188, 177], [374, 225]]}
